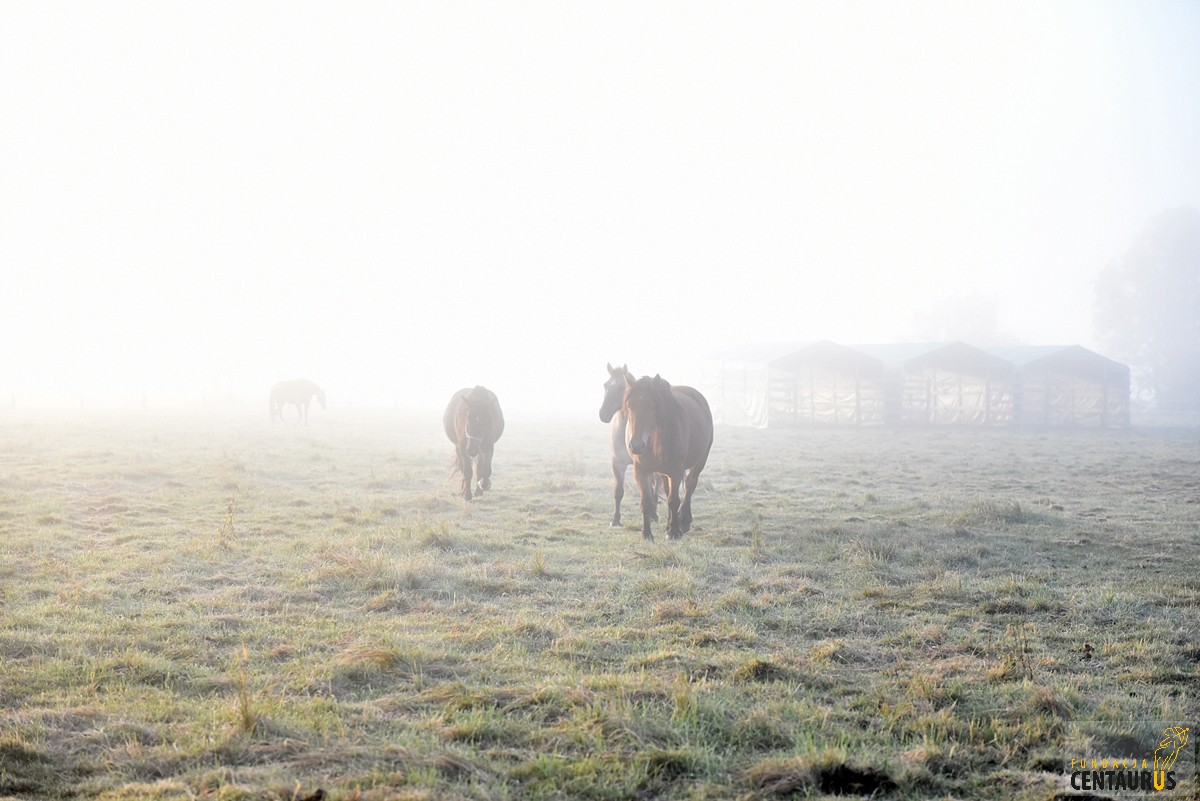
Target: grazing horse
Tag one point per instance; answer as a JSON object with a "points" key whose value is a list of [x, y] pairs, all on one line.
{"points": [[611, 411], [473, 422], [298, 393], [669, 431]]}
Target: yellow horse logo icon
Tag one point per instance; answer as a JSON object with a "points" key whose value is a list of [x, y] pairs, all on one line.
{"points": [[1173, 740]]}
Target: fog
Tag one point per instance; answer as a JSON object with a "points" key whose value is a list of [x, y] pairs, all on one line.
{"points": [[396, 200]]}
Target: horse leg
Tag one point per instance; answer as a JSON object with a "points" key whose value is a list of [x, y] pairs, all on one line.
{"points": [[660, 493], [483, 471], [689, 487], [618, 468], [464, 467], [645, 482], [674, 530]]}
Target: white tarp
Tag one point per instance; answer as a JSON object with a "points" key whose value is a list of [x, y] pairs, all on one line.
{"points": [[738, 394]]}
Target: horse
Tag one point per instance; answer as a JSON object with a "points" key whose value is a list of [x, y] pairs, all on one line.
{"points": [[669, 431], [473, 422], [298, 393], [611, 411]]}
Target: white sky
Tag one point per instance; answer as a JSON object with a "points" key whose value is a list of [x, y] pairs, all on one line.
{"points": [[399, 199]]}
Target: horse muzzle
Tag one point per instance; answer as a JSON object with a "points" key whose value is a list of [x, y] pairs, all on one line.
{"points": [[638, 446], [473, 446]]}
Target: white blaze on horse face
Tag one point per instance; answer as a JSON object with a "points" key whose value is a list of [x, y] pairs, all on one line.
{"points": [[637, 430], [639, 444]]}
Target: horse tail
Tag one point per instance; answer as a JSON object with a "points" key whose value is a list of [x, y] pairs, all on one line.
{"points": [[449, 426]]}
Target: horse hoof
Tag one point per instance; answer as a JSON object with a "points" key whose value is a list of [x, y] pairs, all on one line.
{"points": [[616, 523], [646, 535]]}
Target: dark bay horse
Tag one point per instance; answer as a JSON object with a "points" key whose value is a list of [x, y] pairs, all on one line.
{"points": [[612, 411], [473, 422], [669, 431], [298, 393]]}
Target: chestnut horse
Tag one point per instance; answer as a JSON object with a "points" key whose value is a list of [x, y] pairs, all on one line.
{"points": [[473, 422], [669, 431], [298, 393], [611, 411]]}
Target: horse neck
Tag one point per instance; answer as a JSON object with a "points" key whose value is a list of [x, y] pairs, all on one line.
{"points": [[668, 435]]}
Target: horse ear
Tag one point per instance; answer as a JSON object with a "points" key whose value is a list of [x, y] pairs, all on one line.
{"points": [[628, 380], [610, 370], [625, 369]]}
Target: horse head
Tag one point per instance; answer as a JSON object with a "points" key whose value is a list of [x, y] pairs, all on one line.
{"points": [[321, 397], [614, 392], [643, 400]]}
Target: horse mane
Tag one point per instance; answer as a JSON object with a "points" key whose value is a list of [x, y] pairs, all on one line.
{"points": [[668, 409], [658, 389]]}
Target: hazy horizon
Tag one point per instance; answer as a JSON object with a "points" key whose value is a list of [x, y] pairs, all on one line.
{"points": [[398, 200]]}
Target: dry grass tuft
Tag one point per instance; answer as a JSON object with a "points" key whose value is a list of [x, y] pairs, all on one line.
{"points": [[761, 670]]}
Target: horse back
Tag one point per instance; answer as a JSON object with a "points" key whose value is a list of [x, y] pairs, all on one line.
{"points": [[454, 419], [482, 397], [497, 418], [295, 391], [699, 420]]}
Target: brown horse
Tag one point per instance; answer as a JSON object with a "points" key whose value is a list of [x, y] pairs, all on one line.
{"points": [[669, 431], [611, 411], [298, 393], [473, 422]]}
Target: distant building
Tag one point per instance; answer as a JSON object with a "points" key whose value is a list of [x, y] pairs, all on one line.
{"points": [[1068, 386], [916, 384], [946, 384], [791, 384]]}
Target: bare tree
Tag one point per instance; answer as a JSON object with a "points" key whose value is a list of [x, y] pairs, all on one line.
{"points": [[1147, 309]]}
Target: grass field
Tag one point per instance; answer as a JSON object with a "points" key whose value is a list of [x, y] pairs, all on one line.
{"points": [[219, 608]]}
